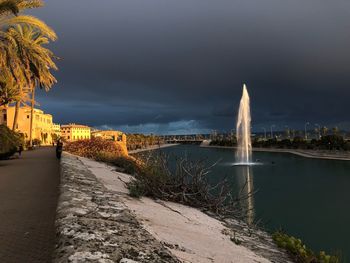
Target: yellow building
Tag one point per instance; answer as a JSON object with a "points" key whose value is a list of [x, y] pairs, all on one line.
{"points": [[57, 129], [43, 127], [74, 132]]}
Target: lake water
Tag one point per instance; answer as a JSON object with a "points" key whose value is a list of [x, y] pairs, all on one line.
{"points": [[308, 198]]}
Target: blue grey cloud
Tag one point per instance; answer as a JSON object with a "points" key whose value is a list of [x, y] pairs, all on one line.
{"points": [[158, 64]]}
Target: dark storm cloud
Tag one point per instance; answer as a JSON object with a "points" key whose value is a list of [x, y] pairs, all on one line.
{"points": [[172, 66]]}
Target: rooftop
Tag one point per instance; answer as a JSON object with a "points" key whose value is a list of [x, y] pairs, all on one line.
{"points": [[73, 125]]}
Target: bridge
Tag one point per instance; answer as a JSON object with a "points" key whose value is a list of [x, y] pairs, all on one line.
{"points": [[184, 139]]}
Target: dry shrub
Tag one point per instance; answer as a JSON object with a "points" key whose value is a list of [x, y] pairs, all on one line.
{"points": [[187, 184], [95, 148]]}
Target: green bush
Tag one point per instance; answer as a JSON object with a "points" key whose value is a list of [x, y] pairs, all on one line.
{"points": [[9, 142], [136, 189], [300, 252]]}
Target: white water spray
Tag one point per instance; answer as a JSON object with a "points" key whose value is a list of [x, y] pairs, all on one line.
{"points": [[243, 133]]}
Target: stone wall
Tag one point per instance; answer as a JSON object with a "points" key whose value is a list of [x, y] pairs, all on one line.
{"points": [[94, 225]]}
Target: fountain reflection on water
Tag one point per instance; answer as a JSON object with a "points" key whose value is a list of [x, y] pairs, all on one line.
{"points": [[244, 178], [244, 156]]}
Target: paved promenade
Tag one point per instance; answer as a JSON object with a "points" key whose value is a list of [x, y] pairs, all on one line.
{"points": [[28, 200]]}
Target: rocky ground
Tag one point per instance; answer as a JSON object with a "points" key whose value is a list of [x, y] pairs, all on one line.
{"points": [[93, 225]]}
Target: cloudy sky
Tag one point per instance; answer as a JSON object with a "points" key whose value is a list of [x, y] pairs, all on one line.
{"points": [[177, 66]]}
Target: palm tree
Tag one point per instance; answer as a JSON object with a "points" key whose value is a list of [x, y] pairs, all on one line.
{"points": [[9, 16], [36, 59], [12, 66]]}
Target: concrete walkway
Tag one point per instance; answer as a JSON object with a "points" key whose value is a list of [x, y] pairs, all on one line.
{"points": [[28, 201]]}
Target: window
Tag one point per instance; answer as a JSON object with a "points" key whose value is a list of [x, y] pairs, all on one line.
{"points": [[27, 116], [5, 117]]}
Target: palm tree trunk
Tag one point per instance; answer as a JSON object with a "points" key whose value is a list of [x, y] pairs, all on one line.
{"points": [[32, 117], [15, 119]]}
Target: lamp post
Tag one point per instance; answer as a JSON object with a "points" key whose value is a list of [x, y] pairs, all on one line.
{"points": [[306, 124], [264, 132], [287, 131], [319, 130], [273, 125]]}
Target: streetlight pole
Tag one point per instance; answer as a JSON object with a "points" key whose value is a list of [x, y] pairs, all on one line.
{"points": [[306, 124], [264, 132], [319, 130], [287, 131], [273, 125]]}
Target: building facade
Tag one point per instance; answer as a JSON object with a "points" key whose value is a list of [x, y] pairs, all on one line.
{"points": [[44, 131], [74, 132], [57, 129]]}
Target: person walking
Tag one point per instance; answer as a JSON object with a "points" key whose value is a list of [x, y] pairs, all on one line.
{"points": [[20, 149], [59, 149]]}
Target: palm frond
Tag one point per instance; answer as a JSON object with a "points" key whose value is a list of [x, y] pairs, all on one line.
{"points": [[9, 6], [29, 4], [34, 22]]}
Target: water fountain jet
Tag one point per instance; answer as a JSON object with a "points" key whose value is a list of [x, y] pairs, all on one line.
{"points": [[243, 132]]}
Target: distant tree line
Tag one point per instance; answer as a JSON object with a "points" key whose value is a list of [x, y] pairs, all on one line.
{"points": [[227, 142], [327, 142], [141, 141]]}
